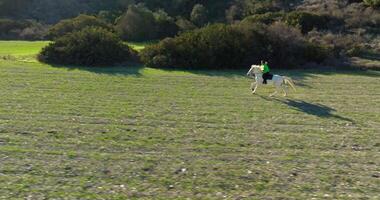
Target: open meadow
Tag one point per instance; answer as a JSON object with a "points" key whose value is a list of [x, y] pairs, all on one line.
{"points": [[143, 133]]}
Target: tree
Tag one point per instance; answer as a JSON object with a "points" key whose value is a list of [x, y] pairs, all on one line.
{"points": [[233, 14], [165, 25], [141, 24], [137, 24], [199, 15]]}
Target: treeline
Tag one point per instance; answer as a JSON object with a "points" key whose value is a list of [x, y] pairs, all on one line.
{"points": [[141, 20], [287, 32], [50, 12]]}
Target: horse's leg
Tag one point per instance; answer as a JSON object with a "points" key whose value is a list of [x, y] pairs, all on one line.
{"points": [[255, 89], [253, 85], [284, 89], [274, 93], [277, 89]]}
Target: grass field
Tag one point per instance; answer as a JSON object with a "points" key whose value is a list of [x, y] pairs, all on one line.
{"points": [[142, 133]]}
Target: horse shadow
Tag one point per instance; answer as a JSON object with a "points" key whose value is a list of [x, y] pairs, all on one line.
{"points": [[315, 109]]}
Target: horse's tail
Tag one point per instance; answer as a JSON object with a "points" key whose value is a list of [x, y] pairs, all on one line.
{"points": [[289, 81]]}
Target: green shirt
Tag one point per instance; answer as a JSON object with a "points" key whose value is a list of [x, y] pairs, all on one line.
{"points": [[266, 68]]}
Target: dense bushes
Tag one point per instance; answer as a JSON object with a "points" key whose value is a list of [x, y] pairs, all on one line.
{"points": [[306, 21], [21, 30], [267, 18], [76, 24], [216, 46], [374, 3], [340, 45], [222, 46], [288, 48], [90, 46]]}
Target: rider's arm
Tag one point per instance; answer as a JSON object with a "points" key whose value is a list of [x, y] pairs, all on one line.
{"points": [[262, 67]]}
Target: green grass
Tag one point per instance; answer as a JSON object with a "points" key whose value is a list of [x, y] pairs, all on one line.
{"points": [[138, 46], [21, 48], [142, 133]]}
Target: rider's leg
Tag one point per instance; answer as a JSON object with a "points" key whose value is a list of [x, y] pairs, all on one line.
{"points": [[265, 76]]}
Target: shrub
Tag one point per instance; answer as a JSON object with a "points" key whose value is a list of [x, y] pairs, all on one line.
{"points": [[10, 29], [306, 21], [222, 46], [373, 3], [91, 47], [267, 18], [21, 30], [185, 25], [253, 7], [213, 47], [340, 45], [36, 31], [76, 24], [288, 47]]}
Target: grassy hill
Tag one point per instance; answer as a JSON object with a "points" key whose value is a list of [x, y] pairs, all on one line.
{"points": [[142, 133]]}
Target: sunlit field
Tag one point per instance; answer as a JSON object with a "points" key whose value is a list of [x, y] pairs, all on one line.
{"points": [[142, 133]]}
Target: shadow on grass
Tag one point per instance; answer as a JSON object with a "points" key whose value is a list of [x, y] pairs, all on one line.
{"points": [[227, 73], [318, 110], [299, 75]]}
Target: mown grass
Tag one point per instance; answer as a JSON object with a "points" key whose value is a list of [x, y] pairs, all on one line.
{"points": [[141, 133]]}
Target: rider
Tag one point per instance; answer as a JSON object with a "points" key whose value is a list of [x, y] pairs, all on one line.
{"points": [[266, 70]]}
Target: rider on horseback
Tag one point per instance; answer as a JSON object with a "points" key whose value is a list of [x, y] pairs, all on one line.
{"points": [[266, 70]]}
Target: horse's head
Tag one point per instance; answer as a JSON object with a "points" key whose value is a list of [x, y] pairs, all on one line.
{"points": [[255, 69]]}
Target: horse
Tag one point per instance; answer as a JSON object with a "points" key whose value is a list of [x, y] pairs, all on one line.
{"points": [[277, 80]]}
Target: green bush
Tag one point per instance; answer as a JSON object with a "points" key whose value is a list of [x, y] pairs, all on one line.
{"points": [[222, 46], [306, 21], [213, 47], [76, 24], [91, 46]]}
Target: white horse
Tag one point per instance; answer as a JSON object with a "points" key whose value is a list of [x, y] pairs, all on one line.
{"points": [[277, 80]]}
